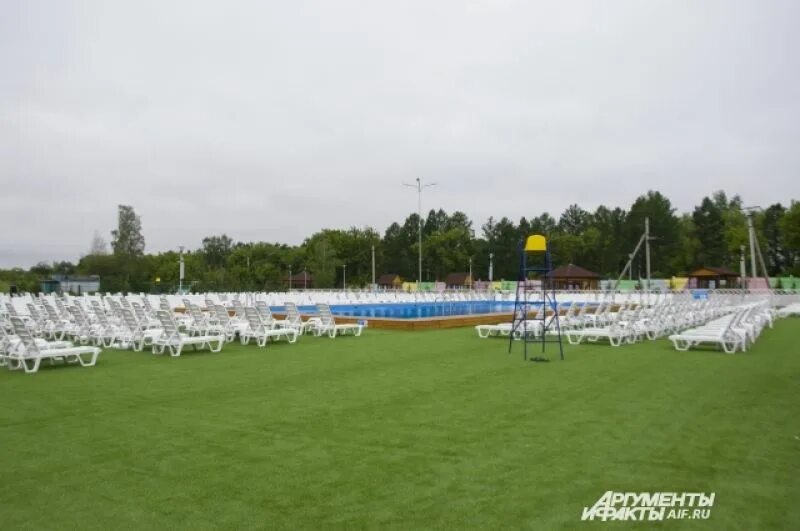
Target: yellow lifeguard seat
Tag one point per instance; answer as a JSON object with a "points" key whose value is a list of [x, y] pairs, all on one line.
{"points": [[536, 243]]}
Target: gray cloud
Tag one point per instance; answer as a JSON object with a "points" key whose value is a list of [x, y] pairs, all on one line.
{"points": [[270, 120]]}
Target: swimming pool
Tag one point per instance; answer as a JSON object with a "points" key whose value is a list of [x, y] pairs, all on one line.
{"points": [[413, 310]]}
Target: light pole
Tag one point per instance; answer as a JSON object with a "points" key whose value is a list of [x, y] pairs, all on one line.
{"points": [[180, 271], [290, 278], [470, 272], [742, 270], [344, 276], [373, 267], [751, 232], [647, 253], [419, 186], [491, 268], [305, 279]]}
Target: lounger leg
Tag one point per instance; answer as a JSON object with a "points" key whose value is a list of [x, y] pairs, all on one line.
{"points": [[31, 369], [571, 339], [89, 363]]}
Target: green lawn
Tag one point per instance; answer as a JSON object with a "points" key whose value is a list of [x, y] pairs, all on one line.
{"points": [[401, 430]]}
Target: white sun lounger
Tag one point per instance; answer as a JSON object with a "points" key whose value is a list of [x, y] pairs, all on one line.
{"points": [[533, 328], [173, 340], [28, 355], [259, 330], [294, 320], [327, 324], [136, 335], [614, 333], [716, 333]]}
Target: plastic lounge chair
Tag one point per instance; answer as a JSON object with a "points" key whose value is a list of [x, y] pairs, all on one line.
{"points": [[716, 333], [327, 324], [136, 334], [294, 320], [260, 330], [174, 341], [28, 354]]}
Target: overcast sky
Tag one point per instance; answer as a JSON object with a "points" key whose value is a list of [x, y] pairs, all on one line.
{"points": [[270, 120]]}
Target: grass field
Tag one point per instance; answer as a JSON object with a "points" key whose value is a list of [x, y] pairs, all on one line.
{"points": [[401, 430]]}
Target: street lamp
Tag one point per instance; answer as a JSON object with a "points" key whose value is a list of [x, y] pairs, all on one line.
{"points": [[419, 186]]}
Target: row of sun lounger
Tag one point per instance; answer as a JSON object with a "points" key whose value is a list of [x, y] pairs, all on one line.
{"points": [[731, 325], [74, 334]]}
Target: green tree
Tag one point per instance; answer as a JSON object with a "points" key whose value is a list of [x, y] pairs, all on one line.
{"points": [[789, 225], [608, 252], [42, 270], [449, 251], [688, 247], [664, 227], [502, 238], [127, 239], [574, 220], [709, 227], [321, 259], [216, 250], [128, 244], [399, 248], [776, 256], [543, 224]]}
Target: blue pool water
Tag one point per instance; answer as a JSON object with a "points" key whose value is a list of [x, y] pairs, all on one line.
{"points": [[413, 310]]}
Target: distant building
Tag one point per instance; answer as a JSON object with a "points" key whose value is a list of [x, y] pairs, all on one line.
{"points": [[458, 280], [76, 285], [714, 277], [572, 277], [390, 280], [302, 280]]}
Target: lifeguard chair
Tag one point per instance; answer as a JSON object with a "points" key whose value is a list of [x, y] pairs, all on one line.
{"points": [[535, 309]]}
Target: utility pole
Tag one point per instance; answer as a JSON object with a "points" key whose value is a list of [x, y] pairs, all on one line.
{"points": [[751, 231], [755, 248], [180, 271], [742, 268], [647, 251], [630, 270], [420, 187], [645, 239]]}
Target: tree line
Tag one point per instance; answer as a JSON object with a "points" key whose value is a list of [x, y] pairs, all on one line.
{"points": [[712, 234]]}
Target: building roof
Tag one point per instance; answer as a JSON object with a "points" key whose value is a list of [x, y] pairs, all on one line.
{"points": [[571, 271], [75, 278], [389, 278], [714, 272], [457, 279]]}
